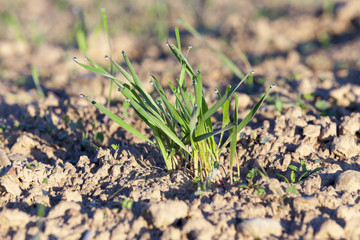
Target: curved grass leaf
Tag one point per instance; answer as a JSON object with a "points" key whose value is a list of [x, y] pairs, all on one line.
{"points": [[99, 71], [118, 120], [283, 177], [221, 101], [210, 134]]}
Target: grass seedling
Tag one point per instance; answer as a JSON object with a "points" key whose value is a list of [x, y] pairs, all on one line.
{"points": [[46, 180], [250, 178], [126, 204], [35, 76], [115, 146], [99, 137], [159, 11], [323, 106], [80, 32], [298, 176], [278, 103], [203, 185], [182, 130], [13, 23], [40, 221], [224, 59], [112, 72], [81, 40]]}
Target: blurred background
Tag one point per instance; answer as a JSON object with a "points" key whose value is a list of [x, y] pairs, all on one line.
{"points": [[307, 47]]}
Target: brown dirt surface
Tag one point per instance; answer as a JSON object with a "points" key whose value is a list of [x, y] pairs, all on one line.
{"points": [[57, 181]]}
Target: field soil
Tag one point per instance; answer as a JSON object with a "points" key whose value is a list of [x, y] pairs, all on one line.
{"points": [[61, 178]]}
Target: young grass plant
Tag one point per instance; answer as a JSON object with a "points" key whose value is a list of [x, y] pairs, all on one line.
{"points": [[182, 130], [298, 176], [35, 76], [112, 70], [224, 59]]}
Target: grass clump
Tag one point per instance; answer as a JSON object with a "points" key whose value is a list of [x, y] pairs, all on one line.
{"points": [[183, 131]]}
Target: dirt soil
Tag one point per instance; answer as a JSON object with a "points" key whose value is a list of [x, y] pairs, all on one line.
{"points": [[56, 152]]}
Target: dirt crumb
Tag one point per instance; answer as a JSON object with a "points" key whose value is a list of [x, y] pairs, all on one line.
{"points": [[260, 227], [164, 213], [348, 181]]}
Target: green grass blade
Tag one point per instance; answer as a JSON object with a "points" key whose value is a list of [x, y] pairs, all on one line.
{"points": [[225, 60], [304, 175], [186, 100], [249, 116], [105, 23], [81, 40], [221, 101], [179, 105], [155, 119], [35, 76], [94, 63], [122, 70], [182, 75], [161, 146], [292, 177], [177, 35], [106, 28], [283, 177], [100, 71], [174, 114], [190, 29], [118, 120], [316, 170], [225, 108], [136, 102], [182, 59], [213, 133], [198, 91], [163, 127], [294, 168], [139, 86], [303, 166], [225, 111], [193, 119], [233, 137]]}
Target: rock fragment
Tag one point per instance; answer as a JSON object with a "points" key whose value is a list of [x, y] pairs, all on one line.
{"points": [[13, 218], [351, 124], [24, 144], [305, 150], [162, 214], [329, 129], [10, 186], [171, 233], [74, 196], [199, 228], [83, 161], [4, 160], [61, 208], [340, 94], [351, 217], [304, 204], [348, 214], [348, 181], [312, 131], [260, 227], [345, 146], [330, 230]]}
